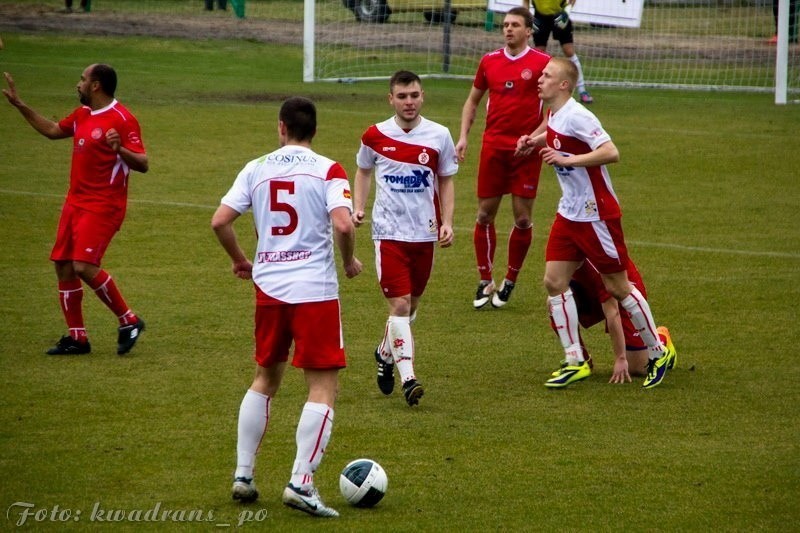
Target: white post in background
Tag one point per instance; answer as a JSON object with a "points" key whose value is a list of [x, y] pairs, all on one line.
{"points": [[782, 53], [308, 40]]}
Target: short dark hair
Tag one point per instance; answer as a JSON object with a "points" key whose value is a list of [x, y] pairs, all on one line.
{"points": [[300, 117], [403, 77], [106, 76], [523, 12]]}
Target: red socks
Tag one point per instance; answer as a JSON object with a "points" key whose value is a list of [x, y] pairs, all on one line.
{"points": [[105, 289]]}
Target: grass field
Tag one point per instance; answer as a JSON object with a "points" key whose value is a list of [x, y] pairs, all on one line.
{"points": [[708, 184]]}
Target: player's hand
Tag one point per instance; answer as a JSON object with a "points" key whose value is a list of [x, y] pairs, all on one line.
{"points": [[353, 268], [461, 150], [553, 157], [561, 20], [113, 139], [446, 235], [358, 218], [11, 92], [524, 146], [620, 374], [243, 269]]}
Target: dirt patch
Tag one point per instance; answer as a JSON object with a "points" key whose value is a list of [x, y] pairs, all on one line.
{"points": [[407, 37], [39, 18]]}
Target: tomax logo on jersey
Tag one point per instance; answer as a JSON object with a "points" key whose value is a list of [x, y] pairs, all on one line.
{"points": [[417, 182]]}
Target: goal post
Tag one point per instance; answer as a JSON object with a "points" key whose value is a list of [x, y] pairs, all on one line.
{"points": [[695, 44]]}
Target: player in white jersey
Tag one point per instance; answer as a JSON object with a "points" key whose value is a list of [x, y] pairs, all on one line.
{"points": [[587, 224], [301, 205], [414, 160]]}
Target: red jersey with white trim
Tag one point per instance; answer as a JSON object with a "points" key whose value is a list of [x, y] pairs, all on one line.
{"points": [[513, 107], [98, 180], [407, 166], [586, 192], [292, 192]]}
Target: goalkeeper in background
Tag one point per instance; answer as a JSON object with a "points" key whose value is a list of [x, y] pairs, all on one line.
{"points": [[552, 16]]}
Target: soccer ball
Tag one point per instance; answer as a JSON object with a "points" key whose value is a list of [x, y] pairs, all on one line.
{"points": [[363, 482]]}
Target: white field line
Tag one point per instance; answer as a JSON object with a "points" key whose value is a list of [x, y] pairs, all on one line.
{"points": [[681, 247]]}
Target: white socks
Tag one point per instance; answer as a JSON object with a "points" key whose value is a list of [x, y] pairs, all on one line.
{"points": [[313, 434], [642, 319], [580, 84], [564, 314], [400, 341], [253, 421]]}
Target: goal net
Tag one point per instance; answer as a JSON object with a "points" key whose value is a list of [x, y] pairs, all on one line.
{"points": [[703, 44]]}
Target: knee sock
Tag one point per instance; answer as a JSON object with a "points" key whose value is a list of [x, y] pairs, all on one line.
{"points": [[564, 315], [104, 287], [581, 84], [70, 296], [313, 433], [401, 343], [253, 422], [642, 319], [519, 241], [485, 240]]}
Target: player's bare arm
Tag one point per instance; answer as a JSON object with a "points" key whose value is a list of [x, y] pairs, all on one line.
{"points": [[361, 187], [222, 224], [602, 155], [446, 205], [45, 126], [344, 235], [617, 335], [467, 119], [136, 161]]}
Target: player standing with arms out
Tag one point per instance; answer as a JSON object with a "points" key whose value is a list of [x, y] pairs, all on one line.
{"points": [[513, 109], [301, 205], [414, 161], [596, 305], [588, 224], [552, 16], [107, 145]]}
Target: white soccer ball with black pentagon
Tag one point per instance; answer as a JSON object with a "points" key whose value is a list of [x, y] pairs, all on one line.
{"points": [[363, 482]]}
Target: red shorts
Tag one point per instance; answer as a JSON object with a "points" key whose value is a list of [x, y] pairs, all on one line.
{"points": [[403, 267], [500, 172], [315, 328], [601, 242], [82, 235]]}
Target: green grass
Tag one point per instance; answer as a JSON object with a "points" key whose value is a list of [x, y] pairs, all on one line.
{"points": [[708, 185]]}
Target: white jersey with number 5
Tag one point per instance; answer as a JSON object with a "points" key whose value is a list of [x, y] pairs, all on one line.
{"points": [[291, 192], [407, 164]]}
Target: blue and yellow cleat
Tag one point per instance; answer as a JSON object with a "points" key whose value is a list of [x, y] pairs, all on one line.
{"points": [[568, 374], [656, 370]]}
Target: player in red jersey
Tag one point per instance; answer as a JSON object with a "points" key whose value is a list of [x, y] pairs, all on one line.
{"points": [[587, 225], [509, 75], [107, 145]]}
